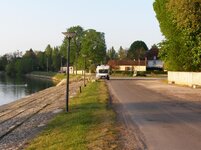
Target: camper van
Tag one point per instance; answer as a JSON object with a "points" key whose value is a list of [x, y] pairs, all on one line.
{"points": [[102, 71]]}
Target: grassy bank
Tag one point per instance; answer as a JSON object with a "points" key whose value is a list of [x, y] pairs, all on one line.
{"points": [[55, 75], [90, 124]]}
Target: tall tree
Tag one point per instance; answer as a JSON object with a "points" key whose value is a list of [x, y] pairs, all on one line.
{"points": [[112, 54], [32, 58], [153, 53], [41, 62], [48, 53], [12, 58], [180, 23], [3, 62], [122, 53], [137, 50], [75, 44], [93, 45], [56, 59]]}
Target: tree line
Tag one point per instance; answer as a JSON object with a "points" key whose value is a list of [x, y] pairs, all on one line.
{"points": [[180, 23], [90, 43], [87, 42], [136, 51]]}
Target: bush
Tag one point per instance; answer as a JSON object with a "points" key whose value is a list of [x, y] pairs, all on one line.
{"points": [[156, 72], [141, 73], [122, 73]]}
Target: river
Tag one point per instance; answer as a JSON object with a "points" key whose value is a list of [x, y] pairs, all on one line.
{"points": [[14, 88]]}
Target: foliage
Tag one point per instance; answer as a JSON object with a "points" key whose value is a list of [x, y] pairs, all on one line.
{"points": [[24, 66], [56, 59], [10, 69], [137, 50], [180, 23], [41, 61], [48, 54], [88, 42], [112, 54], [75, 45], [141, 74], [122, 53], [93, 46], [118, 73], [30, 58], [153, 53], [3, 62]]}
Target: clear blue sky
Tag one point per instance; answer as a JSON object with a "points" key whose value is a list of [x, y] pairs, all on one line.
{"points": [[26, 24]]}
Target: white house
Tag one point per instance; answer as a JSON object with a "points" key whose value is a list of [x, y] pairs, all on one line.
{"points": [[128, 65], [71, 70]]}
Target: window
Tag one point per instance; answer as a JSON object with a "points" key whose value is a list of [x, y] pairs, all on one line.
{"points": [[103, 71], [128, 68]]}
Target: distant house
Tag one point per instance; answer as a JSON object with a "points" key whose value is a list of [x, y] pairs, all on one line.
{"points": [[155, 64], [128, 65], [153, 61], [71, 70]]}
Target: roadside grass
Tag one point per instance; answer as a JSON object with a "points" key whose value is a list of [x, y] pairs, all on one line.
{"points": [[90, 124]]}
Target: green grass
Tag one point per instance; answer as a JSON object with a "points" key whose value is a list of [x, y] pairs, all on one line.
{"points": [[49, 74], [90, 124], [55, 75]]}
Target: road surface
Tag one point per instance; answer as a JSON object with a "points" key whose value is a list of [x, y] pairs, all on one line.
{"points": [[167, 117]]}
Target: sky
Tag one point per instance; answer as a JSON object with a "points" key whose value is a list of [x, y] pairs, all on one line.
{"points": [[26, 24]]}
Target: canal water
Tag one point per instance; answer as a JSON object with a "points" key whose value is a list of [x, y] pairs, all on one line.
{"points": [[13, 88]]}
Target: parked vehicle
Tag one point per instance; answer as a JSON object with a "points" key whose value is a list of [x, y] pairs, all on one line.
{"points": [[102, 72]]}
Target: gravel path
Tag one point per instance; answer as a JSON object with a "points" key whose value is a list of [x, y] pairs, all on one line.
{"points": [[22, 120]]}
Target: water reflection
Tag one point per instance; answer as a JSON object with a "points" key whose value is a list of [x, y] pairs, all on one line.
{"points": [[13, 88]]}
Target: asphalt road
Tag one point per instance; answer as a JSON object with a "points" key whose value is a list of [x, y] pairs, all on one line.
{"points": [[164, 122]]}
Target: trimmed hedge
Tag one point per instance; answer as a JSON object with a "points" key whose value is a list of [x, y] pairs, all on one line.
{"points": [[139, 73]]}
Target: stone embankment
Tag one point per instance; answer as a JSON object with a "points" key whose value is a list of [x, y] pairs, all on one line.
{"points": [[22, 120]]}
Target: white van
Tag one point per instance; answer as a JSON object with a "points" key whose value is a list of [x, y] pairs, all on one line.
{"points": [[102, 71]]}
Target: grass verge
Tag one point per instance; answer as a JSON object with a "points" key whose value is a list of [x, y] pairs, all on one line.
{"points": [[90, 124]]}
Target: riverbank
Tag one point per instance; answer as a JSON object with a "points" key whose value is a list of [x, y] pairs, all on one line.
{"points": [[58, 78], [22, 120], [54, 75], [90, 124]]}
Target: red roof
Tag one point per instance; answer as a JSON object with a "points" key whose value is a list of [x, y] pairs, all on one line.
{"points": [[114, 63]]}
